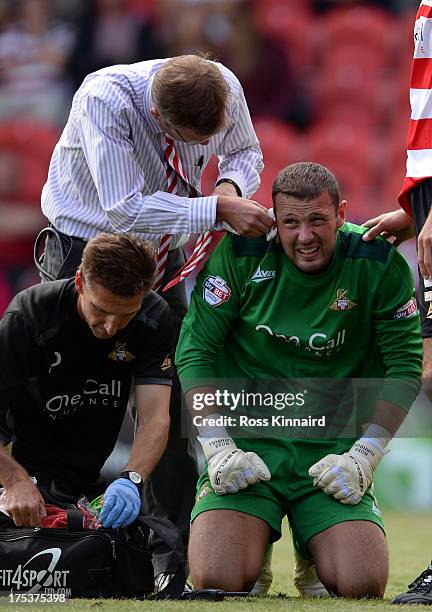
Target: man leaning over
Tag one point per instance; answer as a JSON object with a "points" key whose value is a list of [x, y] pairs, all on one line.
{"points": [[70, 351], [130, 159]]}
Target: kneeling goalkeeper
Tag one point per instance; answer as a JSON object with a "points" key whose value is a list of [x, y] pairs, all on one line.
{"points": [[315, 302]]}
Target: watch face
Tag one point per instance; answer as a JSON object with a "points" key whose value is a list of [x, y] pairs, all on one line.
{"points": [[135, 477]]}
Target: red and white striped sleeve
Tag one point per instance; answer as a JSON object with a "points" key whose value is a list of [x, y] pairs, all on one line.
{"points": [[419, 141]]}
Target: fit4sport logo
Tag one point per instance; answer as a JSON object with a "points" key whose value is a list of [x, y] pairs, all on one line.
{"points": [[37, 573]]}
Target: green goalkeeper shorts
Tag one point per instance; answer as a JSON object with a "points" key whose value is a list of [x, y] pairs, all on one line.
{"points": [[289, 492]]}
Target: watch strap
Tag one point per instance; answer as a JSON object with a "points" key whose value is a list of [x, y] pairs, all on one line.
{"points": [[231, 182], [126, 474]]}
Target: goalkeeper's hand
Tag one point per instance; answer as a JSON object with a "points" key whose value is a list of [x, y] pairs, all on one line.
{"points": [[231, 469], [347, 477]]}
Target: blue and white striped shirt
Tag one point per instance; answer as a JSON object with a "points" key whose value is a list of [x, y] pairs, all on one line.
{"points": [[107, 171]]}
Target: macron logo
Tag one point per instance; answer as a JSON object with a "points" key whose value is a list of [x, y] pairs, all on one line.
{"points": [[262, 275]]}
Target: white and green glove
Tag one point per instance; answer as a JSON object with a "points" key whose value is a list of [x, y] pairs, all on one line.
{"points": [[229, 468], [347, 477]]}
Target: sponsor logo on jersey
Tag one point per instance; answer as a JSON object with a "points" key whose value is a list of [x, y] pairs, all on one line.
{"points": [[420, 45], [93, 393], [318, 343], [32, 576], [120, 352], [409, 310], [56, 362], [166, 364], [429, 312], [261, 275], [342, 302], [216, 290]]}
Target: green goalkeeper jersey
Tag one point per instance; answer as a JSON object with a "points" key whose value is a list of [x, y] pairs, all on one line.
{"points": [[254, 315]]}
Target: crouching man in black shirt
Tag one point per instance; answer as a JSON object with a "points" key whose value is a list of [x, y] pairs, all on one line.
{"points": [[71, 351]]}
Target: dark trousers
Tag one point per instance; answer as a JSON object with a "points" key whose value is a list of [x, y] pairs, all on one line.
{"points": [[421, 201], [170, 490]]}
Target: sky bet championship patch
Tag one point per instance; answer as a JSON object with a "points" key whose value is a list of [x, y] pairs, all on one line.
{"points": [[216, 290], [407, 310]]}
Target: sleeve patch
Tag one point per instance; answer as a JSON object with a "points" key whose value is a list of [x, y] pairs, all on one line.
{"points": [[216, 290], [409, 309], [166, 364]]}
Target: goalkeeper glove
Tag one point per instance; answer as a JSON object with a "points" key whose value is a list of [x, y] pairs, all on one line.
{"points": [[230, 469], [347, 477]]}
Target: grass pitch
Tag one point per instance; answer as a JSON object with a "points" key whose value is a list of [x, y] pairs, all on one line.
{"points": [[410, 544]]}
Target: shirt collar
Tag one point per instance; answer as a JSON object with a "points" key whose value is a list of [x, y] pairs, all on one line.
{"points": [[147, 105]]}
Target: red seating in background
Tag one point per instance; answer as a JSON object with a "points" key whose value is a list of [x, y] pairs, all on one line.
{"points": [[291, 23], [355, 58], [348, 151], [275, 17], [393, 151], [387, 195], [144, 8], [263, 195], [356, 189], [344, 111], [280, 144], [355, 63], [367, 26], [25, 150], [344, 143], [32, 142], [350, 78]]}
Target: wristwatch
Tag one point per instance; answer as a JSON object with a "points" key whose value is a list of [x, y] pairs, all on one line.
{"points": [[231, 182], [133, 477]]}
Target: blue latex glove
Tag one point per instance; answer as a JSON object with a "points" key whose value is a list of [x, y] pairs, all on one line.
{"points": [[121, 504]]}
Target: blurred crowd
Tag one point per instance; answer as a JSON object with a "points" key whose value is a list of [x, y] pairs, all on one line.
{"points": [[325, 80]]}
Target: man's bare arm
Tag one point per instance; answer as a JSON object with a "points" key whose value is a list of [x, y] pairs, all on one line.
{"points": [[396, 226], [24, 503], [152, 404]]}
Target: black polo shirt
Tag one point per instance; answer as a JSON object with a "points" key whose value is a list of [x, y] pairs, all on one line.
{"points": [[65, 390]]}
